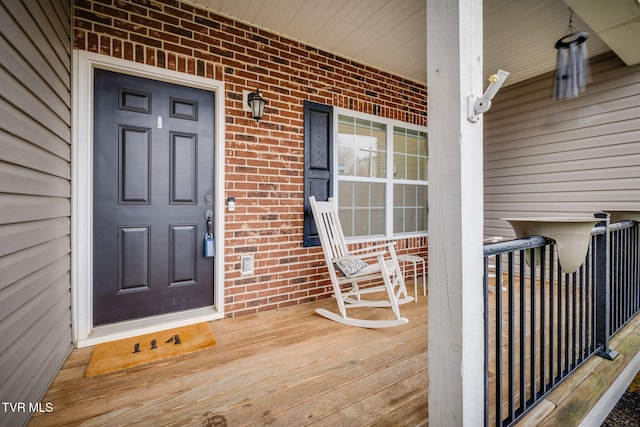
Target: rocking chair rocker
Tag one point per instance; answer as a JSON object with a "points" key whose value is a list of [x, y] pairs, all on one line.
{"points": [[348, 268]]}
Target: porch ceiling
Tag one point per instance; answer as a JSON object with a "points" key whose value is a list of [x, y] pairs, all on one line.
{"points": [[519, 36]]}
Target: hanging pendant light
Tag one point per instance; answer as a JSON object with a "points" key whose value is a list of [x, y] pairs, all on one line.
{"points": [[572, 67]]}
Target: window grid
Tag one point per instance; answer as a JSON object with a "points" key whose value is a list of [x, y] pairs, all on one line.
{"points": [[380, 194]]}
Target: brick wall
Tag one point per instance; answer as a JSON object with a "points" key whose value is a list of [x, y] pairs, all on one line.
{"points": [[264, 162]]}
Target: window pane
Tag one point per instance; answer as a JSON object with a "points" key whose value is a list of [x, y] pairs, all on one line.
{"points": [[399, 140], [409, 208], [398, 220], [377, 222], [379, 164], [423, 168], [424, 147], [345, 124], [346, 221], [366, 215], [412, 142], [398, 195], [422, 195], [363, 147], [379, 133], [377, 195], [422, 219], [399, 169], [361, 222], [412, 167], [410, 220], [345, 194], [361, 194], [346, 160], [363, 162]]}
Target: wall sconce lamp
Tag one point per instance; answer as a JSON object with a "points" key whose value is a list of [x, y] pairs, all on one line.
{"points": [[254, 103]]}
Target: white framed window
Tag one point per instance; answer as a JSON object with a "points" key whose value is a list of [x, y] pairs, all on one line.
{"points": [[381, 175]]}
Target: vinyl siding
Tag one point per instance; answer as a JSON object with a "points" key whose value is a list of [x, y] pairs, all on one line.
{"points": [[35, 205], [563, 158]]}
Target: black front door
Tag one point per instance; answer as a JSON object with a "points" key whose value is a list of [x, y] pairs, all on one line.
{"points": [[152, 187]]}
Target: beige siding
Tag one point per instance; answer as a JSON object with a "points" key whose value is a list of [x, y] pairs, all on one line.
{"points": [[35, 192], [562, 158]]}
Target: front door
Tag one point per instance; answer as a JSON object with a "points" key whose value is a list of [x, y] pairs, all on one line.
{"points": [[153, 195]]}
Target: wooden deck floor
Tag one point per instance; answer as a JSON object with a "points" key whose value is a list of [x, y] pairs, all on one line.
{"points": [[290, 367]]}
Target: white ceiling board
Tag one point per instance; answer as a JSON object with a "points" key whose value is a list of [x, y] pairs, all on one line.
{"points": [[519, 35], [616, 22]]}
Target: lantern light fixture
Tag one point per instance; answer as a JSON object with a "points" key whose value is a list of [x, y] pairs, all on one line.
{"points": [[256, 104]]}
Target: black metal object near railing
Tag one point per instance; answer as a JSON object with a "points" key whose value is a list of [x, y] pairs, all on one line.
{"points": [[541, 323]]}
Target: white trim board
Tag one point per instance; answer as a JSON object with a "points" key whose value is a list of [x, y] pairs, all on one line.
{"points": [[84, 333]]}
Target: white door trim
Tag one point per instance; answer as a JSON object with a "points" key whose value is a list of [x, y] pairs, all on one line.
{"points": [[84, 332]]}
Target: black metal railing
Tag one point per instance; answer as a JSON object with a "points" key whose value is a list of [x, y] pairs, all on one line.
{"points": [[625, 273], [542, 323]]}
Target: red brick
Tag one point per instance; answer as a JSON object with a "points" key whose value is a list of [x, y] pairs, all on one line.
{"points": [[264, 161]]}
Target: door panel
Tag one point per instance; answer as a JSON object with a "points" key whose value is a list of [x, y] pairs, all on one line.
{"points": [[153, 168], [182, 246], [183, 168], [133, 259], [134, 158]]}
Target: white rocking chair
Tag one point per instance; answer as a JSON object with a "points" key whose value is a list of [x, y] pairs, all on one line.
{"points": [[383, 265]]}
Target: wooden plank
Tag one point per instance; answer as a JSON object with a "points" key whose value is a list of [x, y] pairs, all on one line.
{"points": [[581, 396], [243, 377], [276, 365]]}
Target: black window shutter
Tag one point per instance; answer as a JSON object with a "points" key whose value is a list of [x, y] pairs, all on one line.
{"points": [[318, 162]]}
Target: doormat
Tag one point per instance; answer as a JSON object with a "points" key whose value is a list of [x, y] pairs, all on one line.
{"points": [[126, 353]]}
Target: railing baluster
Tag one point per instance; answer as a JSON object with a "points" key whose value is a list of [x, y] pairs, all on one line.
{"points": [[523, 332], [543, 315], [574, 326], [511, 293], [498, 293], [567, 332], [581, 319], [532, 320], [569, 317], [485, 290], [552, 376], [560, 323]]}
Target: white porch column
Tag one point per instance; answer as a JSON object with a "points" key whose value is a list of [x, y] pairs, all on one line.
{"points": [[456, 342]]}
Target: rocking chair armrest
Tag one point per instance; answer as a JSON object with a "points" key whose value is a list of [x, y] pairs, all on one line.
{"points": [[359, 256], [370, 248]]}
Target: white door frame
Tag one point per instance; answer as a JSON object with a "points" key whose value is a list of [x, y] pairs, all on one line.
{"points": [[84, 333]]}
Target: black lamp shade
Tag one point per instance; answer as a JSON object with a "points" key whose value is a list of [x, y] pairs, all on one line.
{"points": [[256, 103]]}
